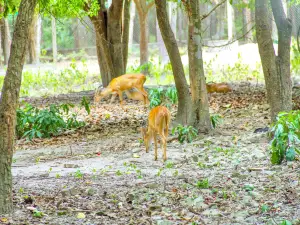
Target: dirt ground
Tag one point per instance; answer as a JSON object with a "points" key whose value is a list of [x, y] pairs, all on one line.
{"points": [[103, 173]]}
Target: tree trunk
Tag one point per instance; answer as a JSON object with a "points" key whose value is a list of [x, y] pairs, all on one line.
{"points": [[38, 39], [276, 68], [76, 33], [9, 101], [126, 26], [114, 36], [32, 40], [108, 29], [54, 43], [248, 22], [184, 100], [132, 17], [200, 117], [143, 10], [5, 38], [144, 55]]}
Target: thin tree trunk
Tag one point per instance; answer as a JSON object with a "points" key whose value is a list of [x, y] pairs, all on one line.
{"points": [[184, 100], [132, 17], [54, 43], [38, 39], [144, 55], [9, 101], [32, 40], [248, 22], [276, 68], [76, 33], [5, 38], [126, 28], [200, 117], [143, 10]]}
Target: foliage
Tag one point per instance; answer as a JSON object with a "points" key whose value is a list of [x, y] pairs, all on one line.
{"points": [[215, 120], [285, 143], [65, 37], [44, 123], [49, 82], [185, 133], [203, 184], [158, 96], [295, 58]]}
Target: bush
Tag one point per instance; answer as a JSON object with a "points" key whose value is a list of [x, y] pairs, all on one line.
{"points": [[159, 96], [185, 133], [285, 142], [44, 123]]}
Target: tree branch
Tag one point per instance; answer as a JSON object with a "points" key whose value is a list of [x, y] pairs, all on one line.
{"points": [[212, 10], [150, 5], [138, 6], [279, 15]]}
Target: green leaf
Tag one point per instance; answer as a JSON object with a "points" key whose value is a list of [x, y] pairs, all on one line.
{"points": [[290, 154]]}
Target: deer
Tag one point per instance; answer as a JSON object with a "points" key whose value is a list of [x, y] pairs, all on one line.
{"points": [[123, 83], [158, 123]]}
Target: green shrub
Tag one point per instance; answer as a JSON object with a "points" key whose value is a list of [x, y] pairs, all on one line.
{"points": [[159, 96], [215, 120], [185, 133], [285, 142], [44, 123]]}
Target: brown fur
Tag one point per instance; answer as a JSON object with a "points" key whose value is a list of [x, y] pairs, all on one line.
{"points": [[158, 123]]}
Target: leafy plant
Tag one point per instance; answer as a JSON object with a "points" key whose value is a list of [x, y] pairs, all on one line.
{"points": [[155, 97], [33, 122], [171, 94], [203, 184], [215, 120], [185, 133], [285, 142]]}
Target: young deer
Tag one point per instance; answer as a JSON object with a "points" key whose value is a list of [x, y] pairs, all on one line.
{"points": [[158, 123], [118, 85], [136, 95]]}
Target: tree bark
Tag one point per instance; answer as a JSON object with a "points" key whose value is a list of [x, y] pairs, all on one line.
{"points": [[143, 10], [184, 100], [276, 68], [126, 26], [248, 22], [114, 36], [5, 38], [108, 29], [32, 40], [54, 43], [200, 117], [9, 101]]}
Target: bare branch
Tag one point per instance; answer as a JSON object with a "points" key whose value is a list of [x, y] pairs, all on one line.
{"points": [[212, 10]]}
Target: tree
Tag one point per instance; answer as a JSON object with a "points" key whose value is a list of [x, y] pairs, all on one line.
{"points": [[108, 27], [276, 68], [5, 37], [184, 100], [143, 9], [200, 117], [32, 40], [126, 26], [9, 101]]}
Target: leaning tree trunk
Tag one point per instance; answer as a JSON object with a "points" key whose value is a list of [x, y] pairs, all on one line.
{"points": [[200, 117], [184, 100], [276, 68], [126, 26], [9, 101], [5, 37]]}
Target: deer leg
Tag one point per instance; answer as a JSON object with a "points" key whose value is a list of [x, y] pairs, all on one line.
{"points": [[155, 145]]}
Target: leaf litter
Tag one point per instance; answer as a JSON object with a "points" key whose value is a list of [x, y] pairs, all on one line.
{"points": [[101, 173]]}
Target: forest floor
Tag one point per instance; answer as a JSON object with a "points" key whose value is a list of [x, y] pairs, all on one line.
{"points": [[103, 173]]}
